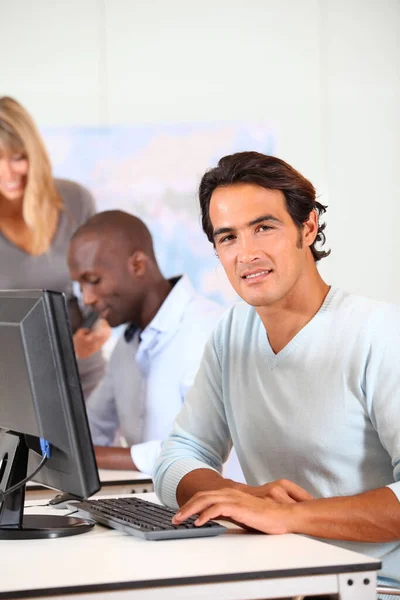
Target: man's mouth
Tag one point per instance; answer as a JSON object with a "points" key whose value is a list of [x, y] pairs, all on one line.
{"points": [[256, 274]]}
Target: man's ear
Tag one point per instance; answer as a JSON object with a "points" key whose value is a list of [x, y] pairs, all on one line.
{"points": [[310, 228], [137, 264]]}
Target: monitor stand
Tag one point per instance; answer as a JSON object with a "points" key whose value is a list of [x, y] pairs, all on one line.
{"points": [[13, 523]]}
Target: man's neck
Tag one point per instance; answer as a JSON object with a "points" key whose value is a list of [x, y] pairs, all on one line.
{"points": [[154, 300], [285, 319]]}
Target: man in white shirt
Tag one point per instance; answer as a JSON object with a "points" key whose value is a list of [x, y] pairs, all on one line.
{"points": [[155, 361]]}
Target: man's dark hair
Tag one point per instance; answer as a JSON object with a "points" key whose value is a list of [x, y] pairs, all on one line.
{"points": [[268, 172]]}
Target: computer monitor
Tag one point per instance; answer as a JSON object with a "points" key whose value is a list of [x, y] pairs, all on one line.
{"points": [[41, 401]]}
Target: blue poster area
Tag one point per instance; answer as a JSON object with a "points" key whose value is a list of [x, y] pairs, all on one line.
{"points": [[153, 171]]}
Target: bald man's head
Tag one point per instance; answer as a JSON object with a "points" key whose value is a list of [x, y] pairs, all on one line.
{"points": [[131, 233], [112, 258]]}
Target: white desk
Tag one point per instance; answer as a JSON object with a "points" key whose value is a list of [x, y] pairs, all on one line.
{"points": [[112, 482], [106, 564]]}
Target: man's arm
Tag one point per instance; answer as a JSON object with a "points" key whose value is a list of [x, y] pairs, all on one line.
{"points": [[139, 457], [200, 437], [114, 458], [202, 480], [372, 516], [199, 480]]}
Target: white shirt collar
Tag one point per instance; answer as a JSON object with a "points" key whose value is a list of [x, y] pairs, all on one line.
{"points": [[171, 310]]}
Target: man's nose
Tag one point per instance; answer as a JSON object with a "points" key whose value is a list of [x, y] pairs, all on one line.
{"points": [[248, 250]]}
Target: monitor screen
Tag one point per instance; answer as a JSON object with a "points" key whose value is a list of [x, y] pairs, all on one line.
{"points": [[40, 399]]}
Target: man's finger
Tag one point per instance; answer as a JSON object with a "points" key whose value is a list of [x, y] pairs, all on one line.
{"points": [[296, 492], [200, 502]]}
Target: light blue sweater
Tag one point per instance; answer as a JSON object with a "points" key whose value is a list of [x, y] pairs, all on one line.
{"points": [[324, 412]]}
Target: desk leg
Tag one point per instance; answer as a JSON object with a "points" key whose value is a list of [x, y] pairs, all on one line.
{"points": [[357, 586]]}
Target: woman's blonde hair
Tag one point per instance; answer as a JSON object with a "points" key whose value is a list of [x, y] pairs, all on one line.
{"points": [[42, 204]]}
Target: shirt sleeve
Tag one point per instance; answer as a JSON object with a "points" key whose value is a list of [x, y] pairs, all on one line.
{"points": [[200, 436], [102, 413], [145, 455], [382, 384]]}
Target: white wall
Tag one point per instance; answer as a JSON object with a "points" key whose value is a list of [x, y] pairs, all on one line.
{"points": [[327, 72], [360, 83]]}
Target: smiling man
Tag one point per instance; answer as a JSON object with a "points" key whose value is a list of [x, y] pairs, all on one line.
{"points": [[302, 378], [155, 361]]}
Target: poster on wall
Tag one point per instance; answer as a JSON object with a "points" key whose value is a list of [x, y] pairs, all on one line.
{"points": [[153, 171]]}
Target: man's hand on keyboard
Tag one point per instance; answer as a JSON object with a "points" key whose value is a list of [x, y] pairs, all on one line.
{"points": [[243, 508], [198, 480], [282, 490]]}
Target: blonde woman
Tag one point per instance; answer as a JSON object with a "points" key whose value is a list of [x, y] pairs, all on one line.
{"points": [[38, 215]]}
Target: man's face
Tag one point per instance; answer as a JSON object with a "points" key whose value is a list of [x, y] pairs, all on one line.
{"points": [[101, 269], [262, 251]]}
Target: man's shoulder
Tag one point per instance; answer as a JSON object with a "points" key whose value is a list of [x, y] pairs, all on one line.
{"points": [[239, 319], [364, 307], [374, 321], [122, 351]]}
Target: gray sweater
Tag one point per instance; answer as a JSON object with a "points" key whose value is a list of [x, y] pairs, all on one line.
{"points": [[20, 270]]}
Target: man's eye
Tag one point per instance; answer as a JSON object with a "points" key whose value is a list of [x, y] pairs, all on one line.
{"points": [[264, 228], [226, 238], [93, 280]]}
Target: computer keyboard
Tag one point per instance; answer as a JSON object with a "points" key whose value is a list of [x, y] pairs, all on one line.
{"points": [[143, 519]]}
